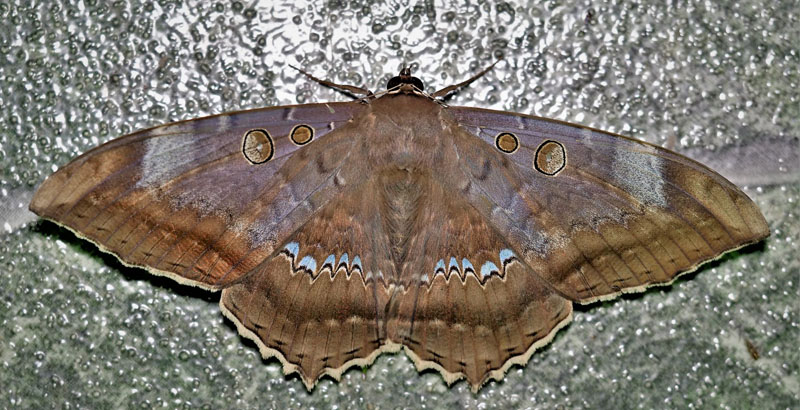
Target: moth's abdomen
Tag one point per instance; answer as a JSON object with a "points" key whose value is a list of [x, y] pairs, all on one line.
{"points": [[402, 195]]}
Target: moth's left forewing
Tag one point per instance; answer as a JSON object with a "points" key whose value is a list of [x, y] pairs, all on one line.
{"points": [[597, 214], [184, 200]]}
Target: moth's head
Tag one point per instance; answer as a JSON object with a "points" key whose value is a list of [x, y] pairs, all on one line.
{"points": [[404, 82]]}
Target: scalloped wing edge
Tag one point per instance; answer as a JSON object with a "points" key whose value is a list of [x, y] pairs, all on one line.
{"points": [[697, 266], [497, 374], [157, 272], [393, 347], [289, 368]]}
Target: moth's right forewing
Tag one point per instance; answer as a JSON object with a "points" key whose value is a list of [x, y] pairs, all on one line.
{"points": [[597, 214]]}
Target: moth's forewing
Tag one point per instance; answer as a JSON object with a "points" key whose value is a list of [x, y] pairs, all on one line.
{"points": [[182, 200], [622, 215]]}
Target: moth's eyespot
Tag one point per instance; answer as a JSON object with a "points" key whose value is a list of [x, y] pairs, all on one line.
{"points": [[301, 134], [257, 146], [506, 142], [550, 158]]}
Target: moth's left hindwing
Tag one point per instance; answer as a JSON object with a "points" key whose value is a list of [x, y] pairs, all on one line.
{"points": [[202, 201], [596, 214]]}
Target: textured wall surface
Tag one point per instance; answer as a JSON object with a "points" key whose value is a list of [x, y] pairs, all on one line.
{"points": [[77, 329]]}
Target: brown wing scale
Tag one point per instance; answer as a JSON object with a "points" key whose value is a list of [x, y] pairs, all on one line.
{"points": [[400, 227]]}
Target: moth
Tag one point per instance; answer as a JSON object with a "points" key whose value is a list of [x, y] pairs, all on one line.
{"points": [[338, 231]]}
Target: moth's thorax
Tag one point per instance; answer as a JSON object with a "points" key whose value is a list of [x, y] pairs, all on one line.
{"points": [[406, 130]]}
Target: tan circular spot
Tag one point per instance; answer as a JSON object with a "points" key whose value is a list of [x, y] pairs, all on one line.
{"points": [[257, 146], [301, 134], [506, 142], [550, 158]]}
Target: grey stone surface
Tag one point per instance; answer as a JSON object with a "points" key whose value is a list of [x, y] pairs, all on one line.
{"points": [[77, 329]]}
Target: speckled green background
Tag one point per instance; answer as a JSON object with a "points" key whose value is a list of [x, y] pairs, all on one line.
{"points": [[77, 329]]}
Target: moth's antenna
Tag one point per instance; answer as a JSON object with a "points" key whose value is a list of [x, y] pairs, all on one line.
{"points": [[449, 89], [351, 90]]}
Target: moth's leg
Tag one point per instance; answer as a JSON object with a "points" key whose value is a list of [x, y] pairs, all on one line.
{"points": [[447, 90], [351, 90]]}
